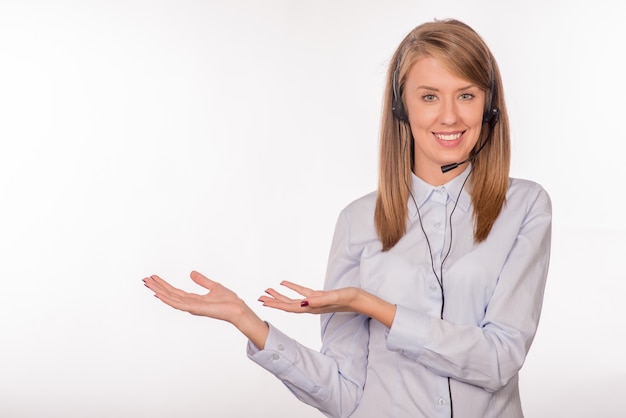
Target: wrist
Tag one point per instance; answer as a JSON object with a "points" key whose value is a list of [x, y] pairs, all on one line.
{"points": [[376, 308], [251, 325]]}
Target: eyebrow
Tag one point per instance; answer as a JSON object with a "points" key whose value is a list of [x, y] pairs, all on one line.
{"points": [[436, 89]]}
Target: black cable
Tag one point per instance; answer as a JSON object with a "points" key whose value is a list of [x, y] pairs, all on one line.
{"points": [[430, 251], [432, 262]]}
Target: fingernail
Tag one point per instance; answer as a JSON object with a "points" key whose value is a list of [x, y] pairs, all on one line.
{"points": [[304, 303]]}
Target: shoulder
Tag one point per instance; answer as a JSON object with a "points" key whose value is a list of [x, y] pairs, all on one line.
{"points": [[361, 209], [525, 187], [356, 221], [527, 208], [528, 194], [363, 203]]}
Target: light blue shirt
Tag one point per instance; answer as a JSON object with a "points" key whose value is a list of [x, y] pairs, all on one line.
{"points": [[493, 298]]}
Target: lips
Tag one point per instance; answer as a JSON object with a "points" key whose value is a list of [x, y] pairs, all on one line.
{"points": [[452, 136]]}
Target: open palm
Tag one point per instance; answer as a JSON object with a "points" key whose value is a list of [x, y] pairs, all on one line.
{"points": [[219, 303]]}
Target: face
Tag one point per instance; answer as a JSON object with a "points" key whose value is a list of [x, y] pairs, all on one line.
{"points": [[445, 113]]}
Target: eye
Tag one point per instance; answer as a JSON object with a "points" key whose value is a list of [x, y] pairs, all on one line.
{"points": [[466, 96], [429, 97]]}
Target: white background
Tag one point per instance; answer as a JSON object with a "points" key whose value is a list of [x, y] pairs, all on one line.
{"points": [[142, 137]]}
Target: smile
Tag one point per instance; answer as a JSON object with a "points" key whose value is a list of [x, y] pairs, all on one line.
{"points": [[448, 137]]}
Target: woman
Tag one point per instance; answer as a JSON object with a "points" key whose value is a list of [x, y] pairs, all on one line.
{"points": [[435, 282]]}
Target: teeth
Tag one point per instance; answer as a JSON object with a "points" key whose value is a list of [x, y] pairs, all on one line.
{"points": [[450, 137]]}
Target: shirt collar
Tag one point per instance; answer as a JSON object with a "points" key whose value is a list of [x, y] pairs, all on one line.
{"points": [[422, 191]]}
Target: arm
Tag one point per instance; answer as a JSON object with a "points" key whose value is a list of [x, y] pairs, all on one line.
{"points": [[488, 352], [332, 380]]}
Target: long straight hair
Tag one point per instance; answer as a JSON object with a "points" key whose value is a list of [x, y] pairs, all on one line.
{"points": [[464, 53]]}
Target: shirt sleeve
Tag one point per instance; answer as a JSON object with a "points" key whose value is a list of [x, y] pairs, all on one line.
{"points": [[491, 354], [331, 380]]}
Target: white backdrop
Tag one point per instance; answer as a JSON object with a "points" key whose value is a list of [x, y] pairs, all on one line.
{"points": [[142, 137]]}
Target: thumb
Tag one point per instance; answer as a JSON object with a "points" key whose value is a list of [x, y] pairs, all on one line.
{"points": [[202, 280]]}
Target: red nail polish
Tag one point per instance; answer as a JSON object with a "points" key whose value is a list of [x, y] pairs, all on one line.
{"points": [[304, 303]]}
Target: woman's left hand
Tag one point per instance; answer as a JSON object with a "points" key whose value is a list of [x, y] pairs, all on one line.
{"points": [[314, 301], [348, 299]]}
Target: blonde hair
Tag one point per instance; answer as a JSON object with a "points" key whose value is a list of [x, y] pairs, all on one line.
{"points": [[464, 53]]}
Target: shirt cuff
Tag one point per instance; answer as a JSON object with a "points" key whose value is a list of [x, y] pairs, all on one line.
{"points": [[409, 332], [279, 353]]}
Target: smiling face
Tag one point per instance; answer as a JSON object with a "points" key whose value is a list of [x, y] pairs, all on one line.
{"points": [[445, 113]]}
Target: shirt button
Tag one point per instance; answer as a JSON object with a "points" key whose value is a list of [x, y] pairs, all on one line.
{"points": [[281, 347], [438, 225], [433, 287], [275, 357], [442, 401]]}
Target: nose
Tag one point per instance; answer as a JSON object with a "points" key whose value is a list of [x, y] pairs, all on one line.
{"points": [[449, 112]]}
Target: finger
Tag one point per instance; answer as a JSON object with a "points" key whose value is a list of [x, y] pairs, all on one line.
{"points": [[176, 302], [304, 291], [315, 302], [278, 296], [152, 284], [158, 282], [202, 280], [326, 302], [155, 282], [290, 306]]}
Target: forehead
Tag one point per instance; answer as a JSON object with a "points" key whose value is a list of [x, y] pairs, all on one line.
{"points": [[430, 71]]}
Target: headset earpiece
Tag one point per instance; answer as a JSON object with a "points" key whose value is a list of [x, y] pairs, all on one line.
{"points": [[398, 109], [397, 106], [491, 115]]}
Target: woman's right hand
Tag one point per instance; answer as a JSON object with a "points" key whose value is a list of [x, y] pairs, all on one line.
{"points": [[219, 303]]}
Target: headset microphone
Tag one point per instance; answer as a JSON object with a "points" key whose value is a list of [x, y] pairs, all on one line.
{"points": [[490, 117], [448, 167]]}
